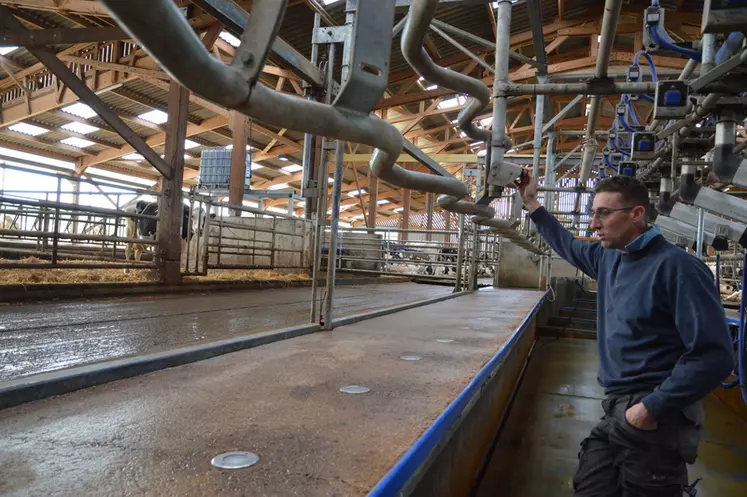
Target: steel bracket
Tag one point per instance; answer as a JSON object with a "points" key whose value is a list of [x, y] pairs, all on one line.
{"points": [[331, 34], [370, 50]]}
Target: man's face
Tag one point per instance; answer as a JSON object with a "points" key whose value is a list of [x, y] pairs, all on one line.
{"points": [[615, 228]]}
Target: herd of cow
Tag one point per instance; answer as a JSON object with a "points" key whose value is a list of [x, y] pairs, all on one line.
{"points": [[729, 289], [431, 262]]}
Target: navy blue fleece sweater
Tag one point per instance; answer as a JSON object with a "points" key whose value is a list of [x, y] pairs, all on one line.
{"points": [[661, 326]]}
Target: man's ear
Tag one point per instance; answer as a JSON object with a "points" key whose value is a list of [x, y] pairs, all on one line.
{"points": [[639, 214]]}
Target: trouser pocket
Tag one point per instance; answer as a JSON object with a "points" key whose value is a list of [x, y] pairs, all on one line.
{"points": [[649, 461]]}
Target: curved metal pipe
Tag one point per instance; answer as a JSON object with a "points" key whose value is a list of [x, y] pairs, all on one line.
{"points": [[419, 18], [169, 39], [417, 26]]}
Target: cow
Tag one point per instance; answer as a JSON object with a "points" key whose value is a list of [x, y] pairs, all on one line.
{"points": [[146, 229]]}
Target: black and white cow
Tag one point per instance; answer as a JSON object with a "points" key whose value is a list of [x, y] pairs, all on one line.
{"points": [[146, 229]]}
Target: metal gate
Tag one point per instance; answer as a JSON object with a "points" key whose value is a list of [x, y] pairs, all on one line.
{"points": [[230, 237]]}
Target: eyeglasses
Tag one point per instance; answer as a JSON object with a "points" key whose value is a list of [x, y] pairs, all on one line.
{"points": [[603, 212]]}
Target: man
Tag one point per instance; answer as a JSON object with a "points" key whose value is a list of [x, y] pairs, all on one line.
{"points": [[663, 343]]}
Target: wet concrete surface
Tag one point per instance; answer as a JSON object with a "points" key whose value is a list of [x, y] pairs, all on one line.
{"points": [[558, 404], [156, 434], [36, 338]]}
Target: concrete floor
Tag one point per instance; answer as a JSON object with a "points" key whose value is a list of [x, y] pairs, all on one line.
{"points": [[559, 403], [156, 434], [37, 338]]}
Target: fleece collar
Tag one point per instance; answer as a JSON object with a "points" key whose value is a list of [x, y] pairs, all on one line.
{"points": [[643, 240]]}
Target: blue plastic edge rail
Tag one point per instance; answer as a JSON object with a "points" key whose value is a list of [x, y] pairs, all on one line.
{"points": [[394, 481]]}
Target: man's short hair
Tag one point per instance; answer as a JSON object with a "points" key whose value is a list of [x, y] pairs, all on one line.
{"points": [[633, 191]]}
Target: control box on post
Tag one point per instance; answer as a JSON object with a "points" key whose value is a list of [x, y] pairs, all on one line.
{"points": [[643, 147], [724, 16], [652, 16], [670, 100], [628, 168]]}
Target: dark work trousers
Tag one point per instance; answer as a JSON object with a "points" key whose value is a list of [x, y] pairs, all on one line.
{"points": [[620, 460]]}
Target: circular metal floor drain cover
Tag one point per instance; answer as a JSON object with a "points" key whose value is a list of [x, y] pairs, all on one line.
{"points": [[444, 340], [355, 389], [411, 357], [235, 460]]}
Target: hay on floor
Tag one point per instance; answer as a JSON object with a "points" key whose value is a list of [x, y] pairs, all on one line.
{"points": [[36, 275]]}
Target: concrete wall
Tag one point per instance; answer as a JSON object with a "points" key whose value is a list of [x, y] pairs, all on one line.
{"points": [[455, 470], [563, 269], [241, 238], [455, 467], [517, 268]]}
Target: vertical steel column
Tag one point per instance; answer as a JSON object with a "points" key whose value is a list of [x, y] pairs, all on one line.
{"points": [[321, 209], [373, 198], [407, 196], [472, 283], [709, 53], [309, 141], [539, 111], [334, 224], [56, 240], [700, 233], [460, 255], [447, 226], [550, 173], [429, 197], [500, 102], [321, 223], [76, 201]]}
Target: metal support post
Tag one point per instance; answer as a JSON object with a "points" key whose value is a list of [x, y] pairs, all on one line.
{"points": [[309, 187], [472, 283], [550, 172], [429, 204], [373, 198], [460, 255], [334, 224], [406, 200], [709, 53], [538, 118], [76, 201], [321, 208], [700, 234], [56, 222]]}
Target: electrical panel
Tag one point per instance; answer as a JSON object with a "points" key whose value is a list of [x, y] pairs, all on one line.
{"points": [[724, 16], [670, 100], [628, 168], [644, 146]]}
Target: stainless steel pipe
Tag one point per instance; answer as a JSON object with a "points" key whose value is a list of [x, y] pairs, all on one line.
{"points": [[170, 40], [607, 39]]}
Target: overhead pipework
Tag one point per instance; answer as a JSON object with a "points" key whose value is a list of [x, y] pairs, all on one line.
{"points": [[419, 19], [171, 41]]}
